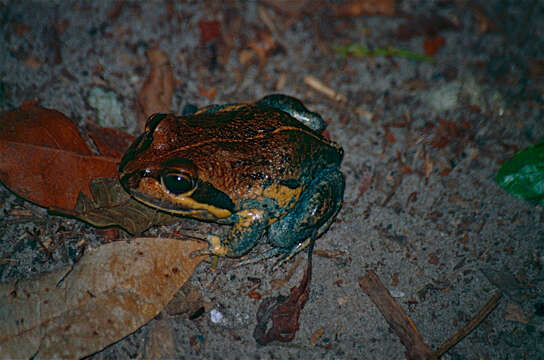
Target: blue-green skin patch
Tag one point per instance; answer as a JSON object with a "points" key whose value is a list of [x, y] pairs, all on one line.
{"points": [[262, 167]]}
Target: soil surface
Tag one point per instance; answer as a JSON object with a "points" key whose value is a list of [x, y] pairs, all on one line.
{"points": [[423, 138]]}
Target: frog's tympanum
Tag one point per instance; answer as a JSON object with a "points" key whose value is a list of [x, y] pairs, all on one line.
{"points": [[263, 167]]}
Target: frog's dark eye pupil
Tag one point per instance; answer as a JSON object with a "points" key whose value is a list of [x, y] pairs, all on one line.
{"points": [[177, 183]]}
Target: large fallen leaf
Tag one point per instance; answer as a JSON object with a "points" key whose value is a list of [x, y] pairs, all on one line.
{"points": [[109, 294], [44, 159], [110, 205]]}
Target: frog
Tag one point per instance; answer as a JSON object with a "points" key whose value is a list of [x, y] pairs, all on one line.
{"points": [[263, 167]]}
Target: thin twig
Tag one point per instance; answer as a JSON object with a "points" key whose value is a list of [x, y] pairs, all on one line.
{"points": [[464, 331]]}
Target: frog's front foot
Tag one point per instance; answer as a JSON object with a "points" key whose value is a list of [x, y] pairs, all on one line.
{"points": [[215, 248]]}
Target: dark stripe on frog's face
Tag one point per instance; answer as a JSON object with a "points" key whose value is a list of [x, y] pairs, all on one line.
{"points": [[205, 193]]}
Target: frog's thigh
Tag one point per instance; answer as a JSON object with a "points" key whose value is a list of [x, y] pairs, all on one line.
{"points": [[245, 233], [315, 210]]}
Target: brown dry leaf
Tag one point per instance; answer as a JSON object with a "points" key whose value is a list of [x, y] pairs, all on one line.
{"points": [[209, 30], [432, 45], [44, 159], [108, 141], [159, 341], [110, 293], [365, 7], [110, 205], [426, 24], [187, 300], [156, 93]]}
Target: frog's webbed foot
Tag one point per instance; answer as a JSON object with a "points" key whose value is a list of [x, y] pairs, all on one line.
{"points": [[259, 257], [286, 254]]}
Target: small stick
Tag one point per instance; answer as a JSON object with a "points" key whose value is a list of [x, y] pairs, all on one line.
{"points": [[402, 325], [318, 85], [464, 331]]}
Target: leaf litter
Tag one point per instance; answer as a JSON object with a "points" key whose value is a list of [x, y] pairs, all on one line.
{"points": [[76, 311]]}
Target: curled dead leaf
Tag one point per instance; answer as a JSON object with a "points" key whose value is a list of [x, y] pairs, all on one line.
{"points": [[111, 205]]}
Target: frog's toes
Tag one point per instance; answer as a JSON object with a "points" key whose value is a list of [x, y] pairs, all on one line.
{"points": [[250, 259], [293, 251]]}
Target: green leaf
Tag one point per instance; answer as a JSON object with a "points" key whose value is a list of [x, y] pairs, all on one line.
{"points": [[523, 175]]}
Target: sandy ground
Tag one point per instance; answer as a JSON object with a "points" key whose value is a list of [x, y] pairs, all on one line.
{"points": [[421, 207]]}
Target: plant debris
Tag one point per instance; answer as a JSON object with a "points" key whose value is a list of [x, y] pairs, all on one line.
{"points": [[76, 311], [155, 96], [362, 51], [44, 158], [523, 175], [283, 311], [111, 205], [404, 327]]}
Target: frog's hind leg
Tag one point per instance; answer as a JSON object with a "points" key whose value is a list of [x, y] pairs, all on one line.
{"points": [[311, 217]]}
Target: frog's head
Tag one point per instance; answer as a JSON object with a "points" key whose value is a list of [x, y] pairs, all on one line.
{"points": [[158, 176]]}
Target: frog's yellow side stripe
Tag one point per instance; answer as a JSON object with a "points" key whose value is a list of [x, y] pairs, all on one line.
{"points": [[282, 194], [278, 130]]}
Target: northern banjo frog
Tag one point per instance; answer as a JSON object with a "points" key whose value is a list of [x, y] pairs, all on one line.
{"points": [[263, 168]]}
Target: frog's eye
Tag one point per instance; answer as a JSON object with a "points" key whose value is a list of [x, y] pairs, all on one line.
{"points": [[177, 182]]}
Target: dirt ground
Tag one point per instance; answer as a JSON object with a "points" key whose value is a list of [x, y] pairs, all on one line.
{"points": [[423, 141]]}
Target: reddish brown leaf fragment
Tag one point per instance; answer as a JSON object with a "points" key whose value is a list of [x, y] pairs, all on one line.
{"points": [[209, 30], [108, 141], [254, 295], [427, 25], [283, 311], [366, 7], [44, 159], [432, 45], [316, 335], [210, 93]]}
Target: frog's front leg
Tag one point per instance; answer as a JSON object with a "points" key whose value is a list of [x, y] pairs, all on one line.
{"points": [[243, 235]]}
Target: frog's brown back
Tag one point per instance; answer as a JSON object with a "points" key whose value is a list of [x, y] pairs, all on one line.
{"points": [[241, 152], [242, 124]]}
